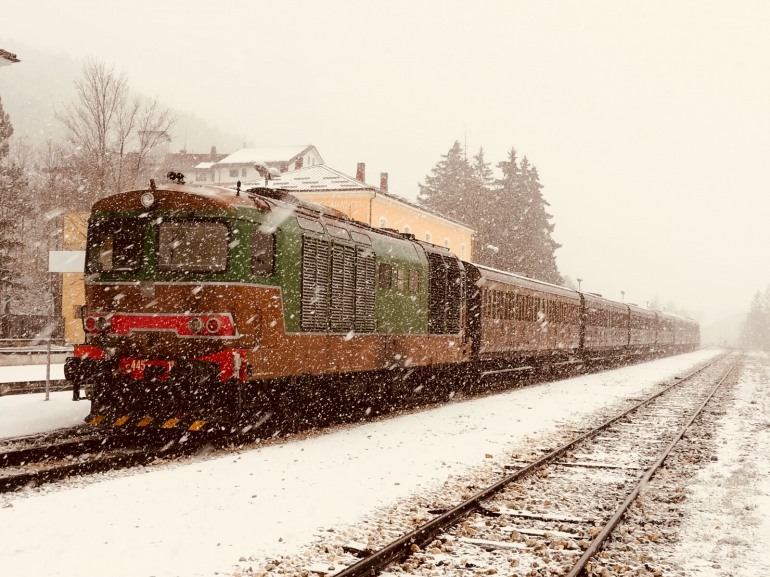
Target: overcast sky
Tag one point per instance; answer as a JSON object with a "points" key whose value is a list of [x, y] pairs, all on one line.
{"points": [[648, 121]]}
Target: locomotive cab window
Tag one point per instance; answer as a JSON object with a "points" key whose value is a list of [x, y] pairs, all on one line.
{"points": [[193, 246], [114, 245], [263, 253]]}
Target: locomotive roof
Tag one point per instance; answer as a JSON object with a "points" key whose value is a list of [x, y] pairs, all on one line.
{"points": [[205, 197], [178, 196]]}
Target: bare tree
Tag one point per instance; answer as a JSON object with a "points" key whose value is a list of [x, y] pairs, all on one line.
{"points": [[110, 132]]}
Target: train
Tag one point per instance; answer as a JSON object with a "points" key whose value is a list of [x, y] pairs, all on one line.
{"points": [[207, 308]]}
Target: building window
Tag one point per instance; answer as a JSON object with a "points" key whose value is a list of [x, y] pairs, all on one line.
{"points": [[383, 222], [446, 242], [234, 172], [462, 251], [428, 237], [407, 229], [200, 176]]}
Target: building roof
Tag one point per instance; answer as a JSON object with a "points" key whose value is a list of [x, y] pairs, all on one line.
{"points": [[269, 154], [317, 178], [322, 178], [7, 58]]}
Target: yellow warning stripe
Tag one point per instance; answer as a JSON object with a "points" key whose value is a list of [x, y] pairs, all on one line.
{"points": [[121, 421], [98, 419], [144, 422], [197, 426], [170, 424]]}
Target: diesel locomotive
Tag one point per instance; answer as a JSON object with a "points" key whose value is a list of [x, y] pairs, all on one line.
{"points": [[207, 307]]}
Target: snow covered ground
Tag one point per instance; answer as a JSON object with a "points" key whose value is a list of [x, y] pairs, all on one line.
{"points": [[202, 516], [12, 374], [727, 531]]}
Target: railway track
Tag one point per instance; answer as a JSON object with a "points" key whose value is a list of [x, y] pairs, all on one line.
{"points": [[551, 516], [33, 463]]}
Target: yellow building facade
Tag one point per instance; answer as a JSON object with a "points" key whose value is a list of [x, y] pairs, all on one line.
{"points": [[73, 289]]}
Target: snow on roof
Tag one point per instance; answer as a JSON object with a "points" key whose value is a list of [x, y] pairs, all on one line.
{"points": [[204, 165], [7, 58], [270, 154], [322, 178], [317, 178]]}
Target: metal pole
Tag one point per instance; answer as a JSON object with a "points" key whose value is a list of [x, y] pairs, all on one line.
{"points": [[48, 370]]}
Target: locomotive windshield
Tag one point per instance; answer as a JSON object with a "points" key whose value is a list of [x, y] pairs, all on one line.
{"points": [[194, 246], [114, 245]]}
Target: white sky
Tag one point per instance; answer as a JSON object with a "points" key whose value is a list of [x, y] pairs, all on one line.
{"points": [[648, 121]]}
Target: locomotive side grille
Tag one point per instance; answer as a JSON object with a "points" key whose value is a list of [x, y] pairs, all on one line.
{"points": [[315, 284], [454, 296], [338, 285], [438, 287], [365, 283], [343, 290], [445, 295]]}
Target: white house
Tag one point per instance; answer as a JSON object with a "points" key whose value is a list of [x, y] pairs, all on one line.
{"points": [[241, 165]]}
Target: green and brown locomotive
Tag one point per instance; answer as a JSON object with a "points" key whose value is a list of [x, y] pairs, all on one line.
{"points": [[205, 306], [209, 307]]}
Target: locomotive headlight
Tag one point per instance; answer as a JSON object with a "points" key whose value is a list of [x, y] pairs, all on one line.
{"points": [[89, 324], [103, 324], [147, 199], [212, 325], [195, 325]]}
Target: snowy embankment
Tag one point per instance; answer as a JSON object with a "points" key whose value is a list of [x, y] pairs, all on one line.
{"points": [[28, 414], [202, 516], [727, 530]]}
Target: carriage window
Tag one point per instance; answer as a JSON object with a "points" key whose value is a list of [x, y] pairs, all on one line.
{"points": [[263, 253], [114, 245], [193, 246]]}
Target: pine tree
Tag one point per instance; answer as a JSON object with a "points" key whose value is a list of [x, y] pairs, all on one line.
{"points": [[497, 225], [538, 258], [756, 329], [513, 228], [755, 332], [447, 190], [12, 186]]}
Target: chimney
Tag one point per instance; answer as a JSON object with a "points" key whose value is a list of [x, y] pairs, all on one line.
{"points": [[384, 181], [213, 153], [361, 172], [298, 163]]}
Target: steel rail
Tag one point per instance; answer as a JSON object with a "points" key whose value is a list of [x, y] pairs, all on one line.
{"points": [[599, 540], [402, 547], [110, 453], [60, 450], [35, 478]]}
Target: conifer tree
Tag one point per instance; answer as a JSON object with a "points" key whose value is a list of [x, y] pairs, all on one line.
{"points": [[12, 185], [448, 188], [514, 231], [756, 329], [513, 228], [538, 258]]}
